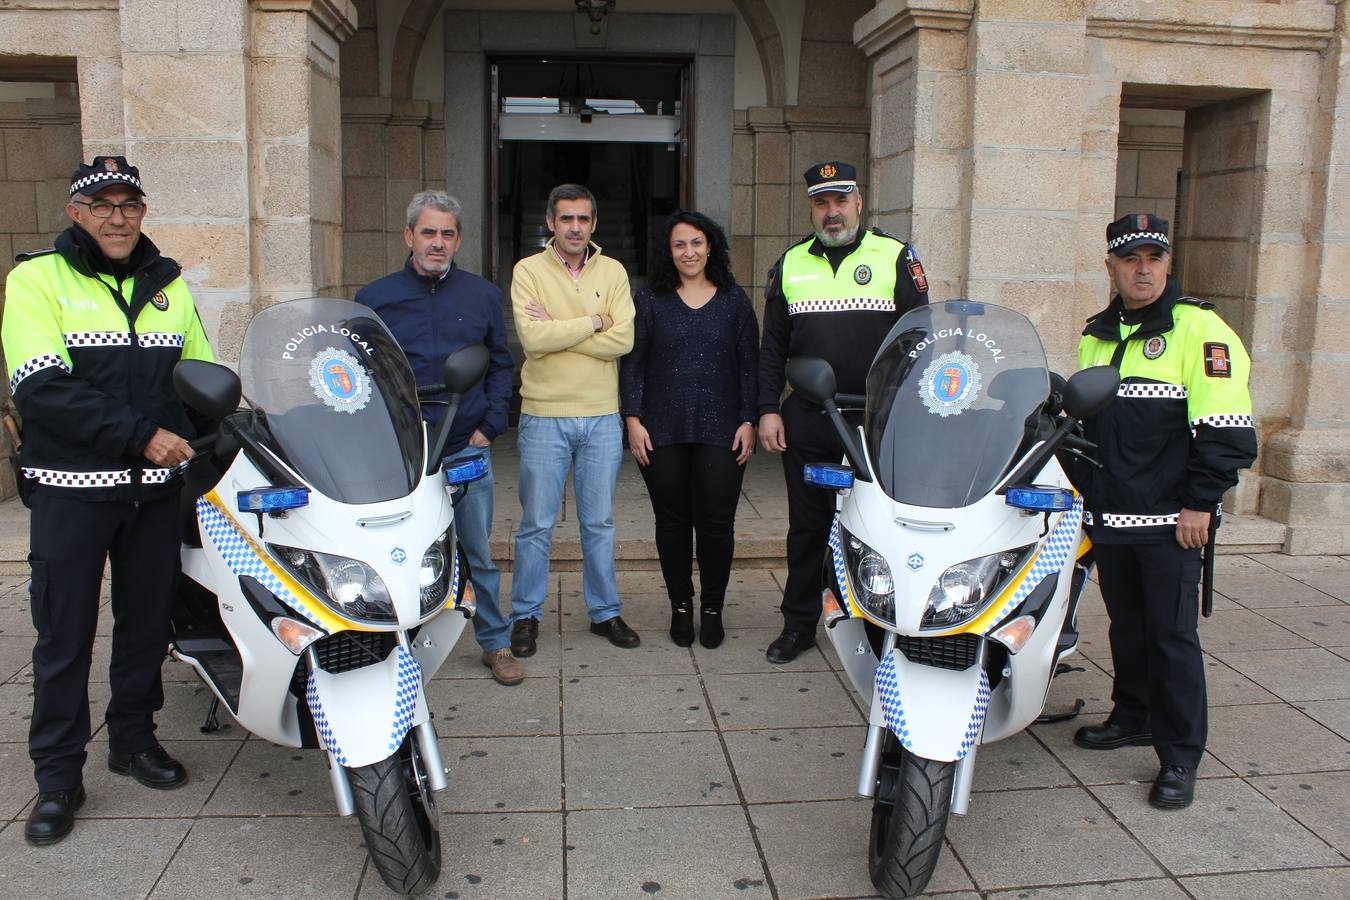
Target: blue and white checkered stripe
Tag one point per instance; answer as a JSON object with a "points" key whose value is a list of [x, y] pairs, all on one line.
{"points": [[405, 698], [888, 689], [840, 566], [325, 731], [240, 556], [1063, 540], [972, 735]]}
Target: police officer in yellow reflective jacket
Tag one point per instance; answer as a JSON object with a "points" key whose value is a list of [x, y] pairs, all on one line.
{"points": [[1169, 445], [835, 294], [92, 331]]}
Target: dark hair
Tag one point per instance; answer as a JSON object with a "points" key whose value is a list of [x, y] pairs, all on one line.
{"points": [[571, 192], [665, 277]]}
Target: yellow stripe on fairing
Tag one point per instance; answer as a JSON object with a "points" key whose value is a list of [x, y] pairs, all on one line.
{"points": [[329, 620]]}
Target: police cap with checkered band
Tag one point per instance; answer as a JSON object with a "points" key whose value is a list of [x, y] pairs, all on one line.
{"points": [[835, 176], [1136, 230], [105, 172]]}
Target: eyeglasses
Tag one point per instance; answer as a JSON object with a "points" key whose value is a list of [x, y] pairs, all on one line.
{"points": [[103, 209]]}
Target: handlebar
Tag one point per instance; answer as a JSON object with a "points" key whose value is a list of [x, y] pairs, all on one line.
{"points": [[427, 390], [1078, 444]]}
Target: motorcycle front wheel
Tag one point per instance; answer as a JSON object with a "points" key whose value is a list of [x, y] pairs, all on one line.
{"points": [[398, 817], [909, 819]]}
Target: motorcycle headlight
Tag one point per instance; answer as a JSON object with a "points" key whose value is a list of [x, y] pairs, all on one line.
{"points": [[966, 589], [347, 586], [871, 576], [434, 578]]}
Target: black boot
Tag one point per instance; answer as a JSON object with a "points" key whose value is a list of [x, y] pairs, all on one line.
{"points": [[682, 623], [710, 632]]}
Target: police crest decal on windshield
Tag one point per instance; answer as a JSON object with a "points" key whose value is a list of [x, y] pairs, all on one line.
{"points": [[950, 384], [339, 381]]}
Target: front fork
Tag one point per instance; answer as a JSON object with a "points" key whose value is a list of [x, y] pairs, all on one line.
{"points": [[433, 766]]}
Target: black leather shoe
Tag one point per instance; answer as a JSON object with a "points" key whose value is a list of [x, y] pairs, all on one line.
{"points": [[618, 632], [1110, 736], [682, 623], [153, 768], [524, 634], [53, 816], [1174, 788], [788, 645], [710, 630]]}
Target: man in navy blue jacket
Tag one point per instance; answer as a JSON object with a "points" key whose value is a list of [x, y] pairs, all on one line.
{"points": [[433, 308]]}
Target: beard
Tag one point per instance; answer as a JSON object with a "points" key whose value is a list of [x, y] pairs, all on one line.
{"points": [[843, 239]]}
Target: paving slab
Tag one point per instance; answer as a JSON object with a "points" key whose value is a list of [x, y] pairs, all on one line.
{"points": [[475, 707], [267, 779], [1326, 626], [1226, 686], [1329, 574], [1146, 889], [466, 659], [1256, 834], [266, 857], [111, 796], [606, 771], [621, 705], [1334, 714], [584, 653], [820, 850], [17, 788], [1129, 765], [1319, 801], [16, 710], [784, 700], [513, 774], [1242, 629], [491, 857], [700, 852], [1332, 882], [1018, 762], [1267, 589], [797, 763], [742, 652], [1274, 739], [16, 653], [1073, 836], [100, 857], [1313, 674]]}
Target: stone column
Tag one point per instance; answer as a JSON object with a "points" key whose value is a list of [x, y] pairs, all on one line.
{"points": [[1306, 467]]}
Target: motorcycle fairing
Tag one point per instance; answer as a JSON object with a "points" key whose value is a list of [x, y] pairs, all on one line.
{"points": [[350, 708], [940, 722]]}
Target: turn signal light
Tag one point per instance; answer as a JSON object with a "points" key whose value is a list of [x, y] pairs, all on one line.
{"points": [[1016, 633], [832, 611], [297, 636], [468, 604]]}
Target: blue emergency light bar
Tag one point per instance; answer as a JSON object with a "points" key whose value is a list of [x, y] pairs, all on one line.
{"points": [[828, 475], [1040, 499], [274, 499], [465, 470]]}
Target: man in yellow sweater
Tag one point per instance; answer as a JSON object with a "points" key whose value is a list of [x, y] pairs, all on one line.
{"points": [[574, 318]]}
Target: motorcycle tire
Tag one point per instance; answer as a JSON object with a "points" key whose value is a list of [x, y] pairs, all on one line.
{"points": [[398, 818], [909, 820]]}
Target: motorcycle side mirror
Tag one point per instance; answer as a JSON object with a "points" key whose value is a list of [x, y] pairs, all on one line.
{"points": [[465, 367], [1090, 390], [1055, 405], [812, 377], [209, 388]]}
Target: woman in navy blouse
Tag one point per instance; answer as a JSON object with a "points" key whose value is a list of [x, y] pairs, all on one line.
{"points": [[688, 393]]}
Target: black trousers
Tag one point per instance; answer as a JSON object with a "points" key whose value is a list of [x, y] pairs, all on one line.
{"points": [[810, 438], [694, 490], [71, 541], [1152, 598]]}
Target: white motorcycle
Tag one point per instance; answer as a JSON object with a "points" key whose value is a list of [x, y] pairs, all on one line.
{"points": [[322, 584], [956, 558]]}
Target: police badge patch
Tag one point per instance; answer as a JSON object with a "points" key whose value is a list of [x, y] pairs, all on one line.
{"points": [[339, 381], [160, 301], [1155, 346], [862, 274], [950, 384]]}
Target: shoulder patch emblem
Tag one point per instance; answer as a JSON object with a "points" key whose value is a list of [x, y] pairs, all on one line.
{"points": [[160, 300], [1217, 363], [1155, 346], [862, 274], [917, 274]]}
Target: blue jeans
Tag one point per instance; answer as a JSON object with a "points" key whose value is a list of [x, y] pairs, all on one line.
{"points": [[473, 527], [593, 447]]}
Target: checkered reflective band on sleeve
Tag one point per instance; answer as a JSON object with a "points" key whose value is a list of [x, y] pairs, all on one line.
{"points": [[1153, 391], [1113, 520], [157, 476], [1138, 236], [59, 478], [848, 304], [1225, 420], [159, 339], [98, 338], [37, 364]]}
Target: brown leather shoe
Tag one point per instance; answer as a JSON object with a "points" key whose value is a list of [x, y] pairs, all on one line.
{"points": [[505, 667], [524, 634]]}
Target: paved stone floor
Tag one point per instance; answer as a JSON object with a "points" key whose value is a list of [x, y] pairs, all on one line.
{"points": [[667, 772]]}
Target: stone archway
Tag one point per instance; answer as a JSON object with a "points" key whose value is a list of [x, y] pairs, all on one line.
{"points": [[412, 34]]}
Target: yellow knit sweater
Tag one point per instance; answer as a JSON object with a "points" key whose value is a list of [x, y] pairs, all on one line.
{"points": [[571, 370]]}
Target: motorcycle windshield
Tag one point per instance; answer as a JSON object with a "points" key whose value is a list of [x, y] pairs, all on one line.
{"points": [[334, 397], [951, 396]]}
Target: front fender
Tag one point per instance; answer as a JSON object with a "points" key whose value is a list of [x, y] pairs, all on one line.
{"points": [[936, 713], [361, 716]]}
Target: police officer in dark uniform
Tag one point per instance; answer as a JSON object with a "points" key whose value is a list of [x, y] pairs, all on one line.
{"points": [[1170, 444], [834, 294], [92, 331]]}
